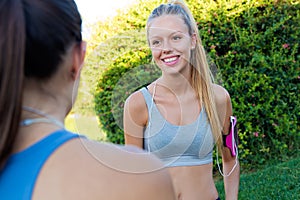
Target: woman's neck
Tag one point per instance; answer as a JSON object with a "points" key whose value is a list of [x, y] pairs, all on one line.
{"points": [[178, 85], [46, 102]]}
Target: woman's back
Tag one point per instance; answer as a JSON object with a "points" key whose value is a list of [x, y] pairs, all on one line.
{"points": [[101, 171], [66, 166]]}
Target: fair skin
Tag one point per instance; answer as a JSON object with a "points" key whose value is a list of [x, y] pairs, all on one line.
{"points": [[176, 100], [81, 168]]}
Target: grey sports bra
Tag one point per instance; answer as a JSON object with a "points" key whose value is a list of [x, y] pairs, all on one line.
{"points": [[186, 145]]}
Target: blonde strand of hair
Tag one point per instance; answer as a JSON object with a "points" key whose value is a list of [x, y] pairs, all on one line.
{"points": [[202, 79]]}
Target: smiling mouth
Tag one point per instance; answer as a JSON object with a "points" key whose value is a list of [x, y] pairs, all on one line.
{"points": [[170, 60]]}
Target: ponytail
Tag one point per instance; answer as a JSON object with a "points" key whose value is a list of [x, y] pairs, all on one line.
{"points": [[12, 51]]}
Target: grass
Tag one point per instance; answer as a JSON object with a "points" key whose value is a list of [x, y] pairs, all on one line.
{"points": [[86, 125], [278, 182]]}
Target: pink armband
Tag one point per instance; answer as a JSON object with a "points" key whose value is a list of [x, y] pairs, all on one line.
{"points": [[231, 139]]}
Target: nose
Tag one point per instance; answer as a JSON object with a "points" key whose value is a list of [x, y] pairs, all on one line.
{"points": [[167, 48], [166, 51]]}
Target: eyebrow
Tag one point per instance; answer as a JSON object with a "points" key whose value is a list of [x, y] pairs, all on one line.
{"points": [[171, 33]]}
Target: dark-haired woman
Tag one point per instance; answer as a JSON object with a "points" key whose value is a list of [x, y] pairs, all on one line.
{"points": [[41, 54]]}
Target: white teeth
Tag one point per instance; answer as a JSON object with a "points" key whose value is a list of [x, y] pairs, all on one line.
{"points": [[170, 59]]}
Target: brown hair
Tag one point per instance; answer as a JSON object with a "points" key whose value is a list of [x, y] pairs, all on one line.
{"points": [[12, 51], [34, 37]]}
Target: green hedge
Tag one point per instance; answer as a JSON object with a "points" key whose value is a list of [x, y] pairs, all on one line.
{"points": [[255, 44], [127, 74], [257, 51]]}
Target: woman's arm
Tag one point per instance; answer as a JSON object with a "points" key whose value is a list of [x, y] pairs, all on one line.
{"points": [[135, 119], [231, 182]]}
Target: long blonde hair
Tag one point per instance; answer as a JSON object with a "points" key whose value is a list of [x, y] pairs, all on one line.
{"points": [[202, 79]]}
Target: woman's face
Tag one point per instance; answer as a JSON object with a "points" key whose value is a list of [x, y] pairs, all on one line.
{"points": [[170, 43]]}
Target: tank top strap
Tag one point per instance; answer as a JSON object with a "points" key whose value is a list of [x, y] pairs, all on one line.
{"points": [[147, 97], [26, 165]]}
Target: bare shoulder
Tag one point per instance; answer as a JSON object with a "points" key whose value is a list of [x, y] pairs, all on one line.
{"points": [[135, 110], [223, 105], [134, 173], [221, 94], [108, 171], [136, 100]]}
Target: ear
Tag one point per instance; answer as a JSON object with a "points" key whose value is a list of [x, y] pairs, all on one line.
{"points": [[78, 59], [193, 41]]}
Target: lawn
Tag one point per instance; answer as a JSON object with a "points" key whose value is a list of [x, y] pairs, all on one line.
{"points": [[279, 182], [86, 125]]}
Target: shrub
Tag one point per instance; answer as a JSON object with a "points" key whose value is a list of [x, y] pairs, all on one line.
{"points": [[100, 59], [257, 51], [111, 39], [127, 74]]}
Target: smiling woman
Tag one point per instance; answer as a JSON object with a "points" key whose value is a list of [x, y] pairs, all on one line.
{"points": [[180, 116]]}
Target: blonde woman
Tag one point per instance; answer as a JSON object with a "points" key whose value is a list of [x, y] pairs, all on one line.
{"points": [[181, 116]]}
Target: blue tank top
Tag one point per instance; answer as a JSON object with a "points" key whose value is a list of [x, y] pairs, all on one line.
{"points": [[17, 179], [186, 145]]}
